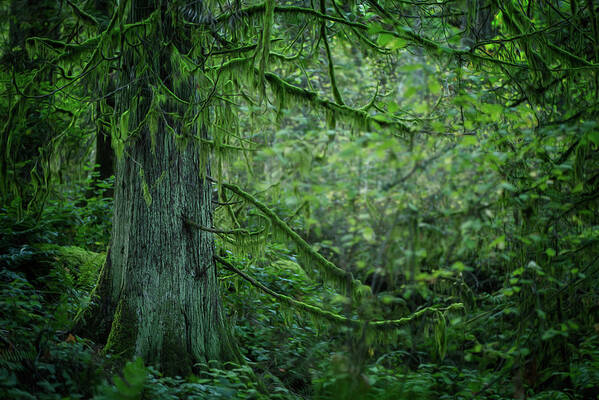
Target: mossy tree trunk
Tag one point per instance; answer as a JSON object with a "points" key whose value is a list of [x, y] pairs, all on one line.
{"points": [[163, 277], [157, 296]]}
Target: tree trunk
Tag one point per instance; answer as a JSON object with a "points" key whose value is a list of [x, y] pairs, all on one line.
{"points": [[104, 155], [164, 277], [157, 296]]}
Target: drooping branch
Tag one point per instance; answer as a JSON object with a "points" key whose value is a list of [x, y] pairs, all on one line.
{"points": [[329, 271], [283, 90], [284, 298], [332, 317], [358, 117]]}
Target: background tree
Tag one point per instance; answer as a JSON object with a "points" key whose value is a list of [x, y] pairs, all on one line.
{"points": [[27, 124]]}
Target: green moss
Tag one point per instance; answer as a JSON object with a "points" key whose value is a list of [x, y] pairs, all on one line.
{"points": [[123, 334]]}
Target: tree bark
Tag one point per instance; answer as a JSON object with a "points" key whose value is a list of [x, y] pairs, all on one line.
{"points": [[157, 296]]}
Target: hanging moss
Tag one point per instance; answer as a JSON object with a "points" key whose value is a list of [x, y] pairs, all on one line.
{"points": [[119, 134], [264, 47], [152, 118], [145, 188], [239, 241], [440, 334]]}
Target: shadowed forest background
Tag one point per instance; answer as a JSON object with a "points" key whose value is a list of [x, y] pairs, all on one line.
{"points": [[299, 199]]}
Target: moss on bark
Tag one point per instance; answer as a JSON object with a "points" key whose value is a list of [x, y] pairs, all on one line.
{"points": [[95, 321], [123, 334]]}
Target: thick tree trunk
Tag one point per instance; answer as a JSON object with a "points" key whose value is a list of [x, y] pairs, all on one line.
{"points": [[157, 296], [163, 273]]}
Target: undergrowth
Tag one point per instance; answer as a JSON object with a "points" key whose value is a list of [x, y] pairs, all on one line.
{"points": [[47, 272]]}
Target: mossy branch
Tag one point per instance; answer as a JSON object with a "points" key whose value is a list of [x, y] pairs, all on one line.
{"points": [[342, 279], [259, 8], [284, 90], [82, 15], [357, 116], [401, 31], [284, 298], [332, 317], [105, 34]]}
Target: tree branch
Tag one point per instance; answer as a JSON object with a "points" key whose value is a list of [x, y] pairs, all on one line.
{"points": [[336, 318]]}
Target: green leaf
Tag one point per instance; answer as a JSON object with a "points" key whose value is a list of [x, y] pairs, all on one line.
{"points": [[594, 137], [384, 39], [368, 234], [469, 140], [374, 28], [434, 86], [498, 242], [390, 41]]}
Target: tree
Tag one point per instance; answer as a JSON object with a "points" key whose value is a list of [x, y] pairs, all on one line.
{"points": [[104, 155], [157, 293]]}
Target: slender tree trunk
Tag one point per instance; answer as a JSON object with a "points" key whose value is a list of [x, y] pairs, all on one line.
{"points": [[157, 296], [104, 155], [478, 21]]}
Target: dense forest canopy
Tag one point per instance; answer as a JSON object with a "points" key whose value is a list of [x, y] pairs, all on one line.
{"points": [[299, 199]]}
